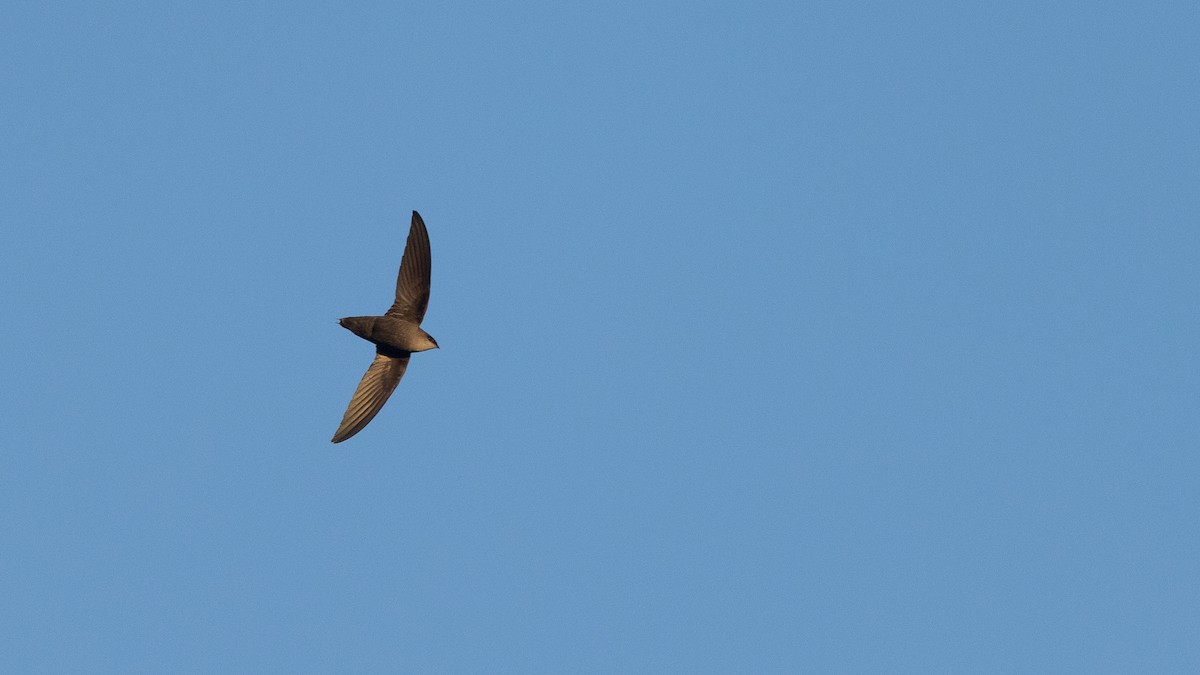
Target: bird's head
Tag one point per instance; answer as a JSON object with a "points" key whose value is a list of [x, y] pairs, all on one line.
{"points": [[430, 342]]}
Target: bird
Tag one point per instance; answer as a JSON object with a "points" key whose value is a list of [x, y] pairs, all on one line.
{"points": [[396, 334]]}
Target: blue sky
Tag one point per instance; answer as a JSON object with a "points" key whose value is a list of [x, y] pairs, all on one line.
{"points": [[776, 337]]}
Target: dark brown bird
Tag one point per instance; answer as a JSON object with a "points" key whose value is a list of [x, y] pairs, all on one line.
{"points": [[396, 334]]}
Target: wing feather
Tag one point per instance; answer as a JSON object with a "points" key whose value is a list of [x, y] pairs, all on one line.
{"points": [[373, 391], [412, 282]]}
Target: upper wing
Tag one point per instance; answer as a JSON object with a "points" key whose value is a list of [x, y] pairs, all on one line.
{"points": [[412, 284], [373, 391]]}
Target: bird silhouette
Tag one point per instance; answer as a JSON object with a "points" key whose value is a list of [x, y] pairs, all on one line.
{"points": [[396, 334]]}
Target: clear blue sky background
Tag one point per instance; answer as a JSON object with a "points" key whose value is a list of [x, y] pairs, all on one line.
{"points": [[776, 337]]}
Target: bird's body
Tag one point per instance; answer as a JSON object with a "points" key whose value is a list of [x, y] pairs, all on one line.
{"points": [[390, 332], [396, 334]]}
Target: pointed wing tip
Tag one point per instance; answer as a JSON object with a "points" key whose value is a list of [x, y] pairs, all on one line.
{"points": [[345, 433]]}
